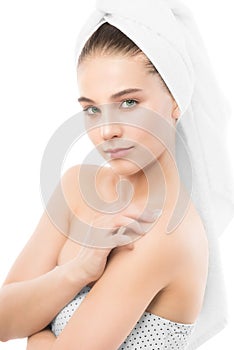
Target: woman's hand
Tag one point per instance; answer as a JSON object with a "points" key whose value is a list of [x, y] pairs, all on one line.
{"points": [[92, 259]]}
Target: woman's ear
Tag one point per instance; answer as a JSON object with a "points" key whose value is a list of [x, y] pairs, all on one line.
{"points": [[175, 111]]}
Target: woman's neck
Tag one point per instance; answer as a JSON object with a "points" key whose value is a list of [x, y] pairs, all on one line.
{"points": [[154, 186]]}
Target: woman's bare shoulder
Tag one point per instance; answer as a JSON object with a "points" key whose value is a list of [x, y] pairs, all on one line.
{"points": [[91, 180], [194, 225], [89, 171], [189, 241]]}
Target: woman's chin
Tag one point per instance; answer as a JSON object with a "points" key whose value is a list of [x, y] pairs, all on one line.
{"points": [[124, 167]]}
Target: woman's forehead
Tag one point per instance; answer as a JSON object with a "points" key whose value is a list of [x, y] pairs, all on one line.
{"points": [[118, 72]]}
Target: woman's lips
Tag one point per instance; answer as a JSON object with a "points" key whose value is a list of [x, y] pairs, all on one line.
{"points": [[119, 152]]}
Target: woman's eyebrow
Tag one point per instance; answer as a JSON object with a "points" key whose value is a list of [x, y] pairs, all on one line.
{"points": [[124, 92], [112, 97]]}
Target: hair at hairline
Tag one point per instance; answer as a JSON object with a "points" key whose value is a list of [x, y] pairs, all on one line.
{"points": [[109, 40]]}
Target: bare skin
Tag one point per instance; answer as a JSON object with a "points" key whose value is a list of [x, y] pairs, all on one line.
{"points": [[182, 284], [181, 299], [36, 284]]}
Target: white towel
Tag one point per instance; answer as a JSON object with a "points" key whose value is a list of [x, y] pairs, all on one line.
{"points": [[166, 32]]}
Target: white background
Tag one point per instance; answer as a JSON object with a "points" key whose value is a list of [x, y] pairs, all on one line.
{"points": [[38, 92]]}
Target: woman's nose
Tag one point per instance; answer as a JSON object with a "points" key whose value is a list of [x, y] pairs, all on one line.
{"points": [[110, 122], [110, 130]]}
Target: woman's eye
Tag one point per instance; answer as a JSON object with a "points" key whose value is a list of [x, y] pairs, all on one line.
{"points": [[129, 103], [91, 110]]}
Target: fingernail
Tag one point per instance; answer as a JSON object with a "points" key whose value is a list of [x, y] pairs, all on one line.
{"points": [[121, 230]]}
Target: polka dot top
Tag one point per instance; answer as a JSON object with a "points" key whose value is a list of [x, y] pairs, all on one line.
{"points": [[150, 332]]}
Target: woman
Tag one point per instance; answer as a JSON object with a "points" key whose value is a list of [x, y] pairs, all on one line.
{"points": [[165, 286], [161, 280]]}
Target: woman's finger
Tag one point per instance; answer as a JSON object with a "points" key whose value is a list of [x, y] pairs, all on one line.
{"points": [[121, 239], [131, 224], [150, 216]]}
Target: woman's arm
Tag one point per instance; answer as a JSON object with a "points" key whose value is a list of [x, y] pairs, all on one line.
{"points": [[42, 340], [29, 306], [118, 299], [35, 290]]}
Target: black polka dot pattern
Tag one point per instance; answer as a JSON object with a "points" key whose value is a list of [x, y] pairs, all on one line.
{"points": [[150, 332]]}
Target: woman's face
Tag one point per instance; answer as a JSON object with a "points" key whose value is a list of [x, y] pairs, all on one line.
{"points": [[102, 77]]}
